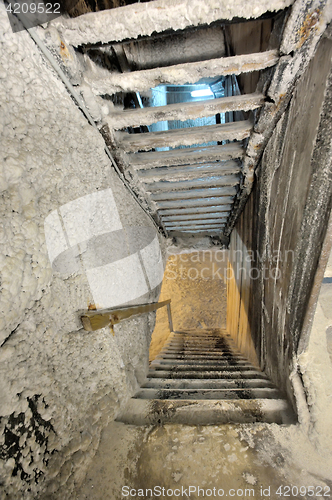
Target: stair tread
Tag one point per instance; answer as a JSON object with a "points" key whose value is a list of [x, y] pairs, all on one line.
{"points": [[205, 374], [203, 368], [201, 383], [211, 412], [200, 378], [205, 394], [200, 362]]}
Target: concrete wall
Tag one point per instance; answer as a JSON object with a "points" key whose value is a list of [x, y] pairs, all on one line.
{"points": [[61, 385], [289, 209]]}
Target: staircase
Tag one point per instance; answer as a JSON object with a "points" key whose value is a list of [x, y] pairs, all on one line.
{"points": [[200, 378]]}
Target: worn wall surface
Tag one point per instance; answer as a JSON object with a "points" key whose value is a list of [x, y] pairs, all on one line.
{"points": [[290, 206], [59, 384], [240, 274]]}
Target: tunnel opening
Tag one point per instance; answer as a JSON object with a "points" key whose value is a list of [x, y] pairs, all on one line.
{"points": [[92, 201]]}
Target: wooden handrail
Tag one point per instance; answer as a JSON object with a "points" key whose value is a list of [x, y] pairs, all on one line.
{"points": [[95, 320]]}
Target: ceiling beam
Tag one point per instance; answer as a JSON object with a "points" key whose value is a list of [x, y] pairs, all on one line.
{"points": [[183, 110], [198, 202], [184, 136], [180, 74], [185, 172], [185, 156], [223, 180], [143, 19]]}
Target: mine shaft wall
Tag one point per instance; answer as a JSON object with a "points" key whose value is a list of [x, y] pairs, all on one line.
{"points": [[60, 385], [239, 283], [282, 228]]}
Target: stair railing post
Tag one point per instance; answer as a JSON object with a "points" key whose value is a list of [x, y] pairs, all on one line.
{"points": [[169, 314]]}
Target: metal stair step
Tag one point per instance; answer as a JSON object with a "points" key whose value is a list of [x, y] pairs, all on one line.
{"points": [[201, 394], [198, 356], [215, 352], [200, 362], [201, 367], [206, 374], [218, 383]]}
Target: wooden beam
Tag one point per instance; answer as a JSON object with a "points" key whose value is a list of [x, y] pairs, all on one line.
{"points": [[205, 227], [197, 209], [214, 231], [184, 136], [195, 193], [180, 74], [195, 222], [183, 111], [143, 19], [195, 216], [185, 156], [184, 172], [199, 202], [95, 320], [223, 180]]}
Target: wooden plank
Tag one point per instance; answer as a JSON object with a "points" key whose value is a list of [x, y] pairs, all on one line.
{"points": [[194, 216], [97, 319], [223, 180], [183, 172], [183, 111], [184, 136], [184, 211], [185, 156], [144, 19], [198, 227], [182, 223], [212, 231], [180, 74], [199, 202], [195, 193]]}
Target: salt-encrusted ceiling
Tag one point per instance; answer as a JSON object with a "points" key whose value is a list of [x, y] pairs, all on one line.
{"points": [[196, 178]]}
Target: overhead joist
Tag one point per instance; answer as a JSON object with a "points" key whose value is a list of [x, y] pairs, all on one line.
{"points": [[143, 19], [223, 180], [185, 156], [195, 193], [195, 212], [198, 202], [195, 222], [183, 111], [190, 217], [200, 232], [184, 136], [180, 74], [206, 227], [185, 172]]}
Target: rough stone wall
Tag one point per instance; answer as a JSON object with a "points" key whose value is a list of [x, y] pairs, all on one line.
{"points": [[60, 385], [292, 202]]}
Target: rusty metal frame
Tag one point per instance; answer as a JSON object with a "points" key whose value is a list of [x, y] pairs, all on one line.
{"points": [[95, 320]]}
